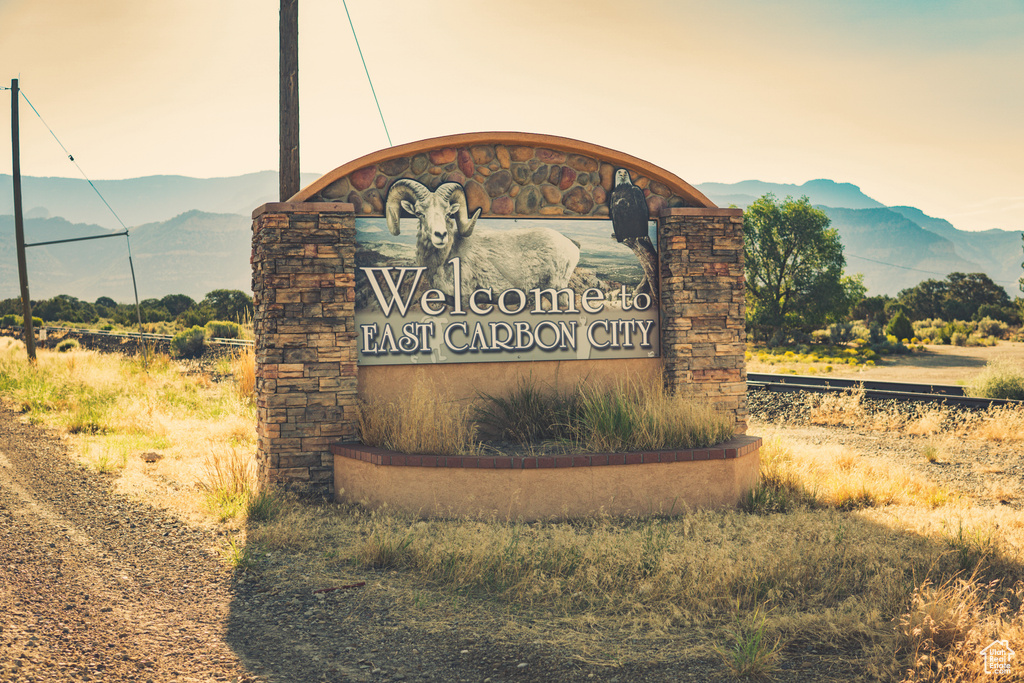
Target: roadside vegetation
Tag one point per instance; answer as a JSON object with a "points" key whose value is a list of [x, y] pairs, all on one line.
{"points": [[834, 551], [626, 417], [167, 315], [806, 315]]}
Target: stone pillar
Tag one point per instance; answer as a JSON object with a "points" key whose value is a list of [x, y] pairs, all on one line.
{"points": [[702, 306], [303, 283]]}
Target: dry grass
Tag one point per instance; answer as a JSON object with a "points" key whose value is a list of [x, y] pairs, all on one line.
{"points": [[423, 420], [228, 480], [641, 417], [835, 477], [947, 626], [1000, 423], [245, 373]]}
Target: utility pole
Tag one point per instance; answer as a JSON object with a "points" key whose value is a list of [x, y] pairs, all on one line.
{"points": [[19, 228], [289, 73]]}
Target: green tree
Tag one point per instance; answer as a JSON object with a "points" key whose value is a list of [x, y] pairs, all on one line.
{"points": [[925, 300], [176, 304], [871, 309], [900, 327], [959, 297], [794, 267], [229, 304], [969, 292]]}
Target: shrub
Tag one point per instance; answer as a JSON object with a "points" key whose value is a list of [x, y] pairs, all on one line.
{"points": [[958, 339], [840, 333], [999, 379], [987, 327], [190, 343], [9, 320], [37, 322], [900, 327], [221, 329], [67, 345]]}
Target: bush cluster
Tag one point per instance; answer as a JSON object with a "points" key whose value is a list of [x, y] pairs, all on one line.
{"points": [[999, 380], [982, 332], [190, 343], [222, 329]]}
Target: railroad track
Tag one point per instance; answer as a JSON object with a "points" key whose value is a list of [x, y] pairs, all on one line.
{"points": [[900, 391]]}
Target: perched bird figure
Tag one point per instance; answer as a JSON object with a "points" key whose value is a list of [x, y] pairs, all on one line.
{"points": [[628, 208]]}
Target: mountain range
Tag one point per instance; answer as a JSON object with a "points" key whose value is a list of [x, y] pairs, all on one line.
{"points": [[191, 235]]}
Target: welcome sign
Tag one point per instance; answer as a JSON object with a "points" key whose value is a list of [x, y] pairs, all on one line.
{"points": [[469, 289]]}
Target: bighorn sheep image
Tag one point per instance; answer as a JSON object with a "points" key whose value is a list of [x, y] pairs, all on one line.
{"points": [[524, 259]]}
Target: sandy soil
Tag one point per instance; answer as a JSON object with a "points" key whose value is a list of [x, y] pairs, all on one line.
{"points": [[936, 365]]}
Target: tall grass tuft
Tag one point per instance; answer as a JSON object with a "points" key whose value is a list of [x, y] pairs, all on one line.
{"points": [[228, 481], [753, 655], [527, 414], [636, 417], [263, 505], [245, 374], [424, 420]]}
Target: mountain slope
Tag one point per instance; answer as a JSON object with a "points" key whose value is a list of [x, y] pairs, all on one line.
{"points": [[141, 200], [191, 254], [893, 252], [825, 192]]}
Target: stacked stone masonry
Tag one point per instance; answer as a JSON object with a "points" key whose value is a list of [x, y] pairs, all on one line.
{"points": [[303, 289], [703, 336]]}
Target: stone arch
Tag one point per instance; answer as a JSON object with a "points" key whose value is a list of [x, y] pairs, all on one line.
{"points": [[505, 174]]}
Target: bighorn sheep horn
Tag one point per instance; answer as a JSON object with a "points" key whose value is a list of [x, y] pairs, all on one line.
{"points": [[416, 192], [402, 190], [453, 192]]}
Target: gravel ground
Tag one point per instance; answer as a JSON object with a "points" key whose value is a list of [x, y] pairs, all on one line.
{"points": [[990, 472], [95, 586]]}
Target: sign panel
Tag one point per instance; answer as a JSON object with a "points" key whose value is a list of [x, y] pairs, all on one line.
{"points": [[523, 289]]}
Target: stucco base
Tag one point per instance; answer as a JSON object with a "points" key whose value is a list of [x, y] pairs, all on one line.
{"points": [[531, 494]]}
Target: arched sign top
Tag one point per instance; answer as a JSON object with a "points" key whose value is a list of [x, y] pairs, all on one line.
{"points": [[505, 174]]}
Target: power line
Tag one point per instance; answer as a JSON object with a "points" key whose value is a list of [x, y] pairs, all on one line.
{"points": [[72, 159], [127, 238], [345, 4], [917, 270]]}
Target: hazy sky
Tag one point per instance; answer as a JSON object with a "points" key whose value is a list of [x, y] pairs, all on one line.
{"points": [[918, 102]]}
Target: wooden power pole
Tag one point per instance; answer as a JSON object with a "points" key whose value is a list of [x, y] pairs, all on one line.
{"points": [[19, 227], [289, 72]]}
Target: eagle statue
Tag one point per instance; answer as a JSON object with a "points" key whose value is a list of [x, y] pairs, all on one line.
{"points": [[628, 208]]}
